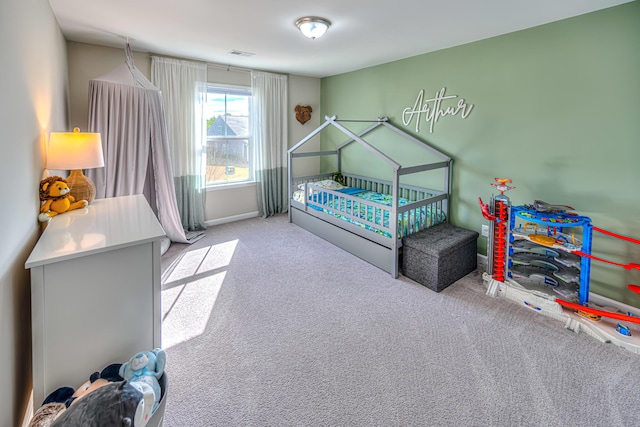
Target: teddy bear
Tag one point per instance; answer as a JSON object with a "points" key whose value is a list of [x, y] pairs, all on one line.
{"points": [[55, 198], [146, 367]]}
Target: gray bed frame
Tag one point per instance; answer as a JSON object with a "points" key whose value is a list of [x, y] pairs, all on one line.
{"points": [[377, 249]]}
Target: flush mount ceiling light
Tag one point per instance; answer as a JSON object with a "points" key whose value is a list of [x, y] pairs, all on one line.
{"points": [[313, 26], [240, 53]]}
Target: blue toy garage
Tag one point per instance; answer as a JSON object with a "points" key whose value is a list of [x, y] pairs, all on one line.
{"points": [[539, 255]]}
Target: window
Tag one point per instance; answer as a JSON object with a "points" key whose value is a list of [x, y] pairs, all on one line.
{"points": [[228, 135]]}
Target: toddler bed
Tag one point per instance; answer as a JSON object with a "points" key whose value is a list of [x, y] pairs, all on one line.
{"points": [[367, 216]]}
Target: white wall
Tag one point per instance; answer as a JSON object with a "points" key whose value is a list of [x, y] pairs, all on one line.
{"points": [[33, 102], [87, 61]]}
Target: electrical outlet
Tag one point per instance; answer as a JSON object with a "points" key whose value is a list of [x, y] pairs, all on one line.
{"points": [[485, 230]]}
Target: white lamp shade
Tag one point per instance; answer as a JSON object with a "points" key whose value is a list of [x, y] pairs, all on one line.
{"points": [[74, 150], [313, 27]]}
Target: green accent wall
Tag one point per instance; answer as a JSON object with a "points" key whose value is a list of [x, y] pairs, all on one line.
{"points": [[556, 108]]}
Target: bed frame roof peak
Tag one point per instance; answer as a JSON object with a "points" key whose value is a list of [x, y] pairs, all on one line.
{"points": [[353, 137]]}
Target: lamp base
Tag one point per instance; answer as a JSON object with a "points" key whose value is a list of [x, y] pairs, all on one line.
{"points": [[82, 188]]}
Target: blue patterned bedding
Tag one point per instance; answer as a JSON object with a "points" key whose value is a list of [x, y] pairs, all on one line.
{"points": [[336, 206]]}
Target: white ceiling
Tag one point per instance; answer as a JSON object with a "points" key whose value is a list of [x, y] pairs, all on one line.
{"points": [[363, 32]]}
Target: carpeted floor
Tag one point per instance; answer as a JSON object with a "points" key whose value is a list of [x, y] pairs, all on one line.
{"points": [[265, 324]]}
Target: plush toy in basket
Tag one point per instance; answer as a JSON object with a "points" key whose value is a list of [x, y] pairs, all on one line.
{"points": [[120, 395], [55, 198], [146, 367], [114, 404], [69, 395]]}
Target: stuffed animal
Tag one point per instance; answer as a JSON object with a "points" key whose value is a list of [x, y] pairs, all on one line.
{"points": [[47, 414], [55, 198], [68, 395], [146, 367], [115, 404], [339, 178], [66, 399], [61, 398]]}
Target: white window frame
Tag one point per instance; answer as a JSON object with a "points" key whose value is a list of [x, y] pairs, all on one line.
{"points": [[230, 90]]}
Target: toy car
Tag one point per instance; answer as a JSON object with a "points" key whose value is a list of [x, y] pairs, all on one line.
{"points": [[590, 316], [623, 330]]}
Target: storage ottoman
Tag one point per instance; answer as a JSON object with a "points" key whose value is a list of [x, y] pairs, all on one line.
{"points": [[438, 256]]}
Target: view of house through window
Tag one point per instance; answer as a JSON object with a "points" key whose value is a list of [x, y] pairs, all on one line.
{"points": [[228, 135]]}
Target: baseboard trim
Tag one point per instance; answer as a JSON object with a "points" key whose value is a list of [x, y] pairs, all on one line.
{"points": [[482, 260], [606, 301], [233, 218]]}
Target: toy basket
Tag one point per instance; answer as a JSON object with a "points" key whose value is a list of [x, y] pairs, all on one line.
{"points": [[158, 416]]}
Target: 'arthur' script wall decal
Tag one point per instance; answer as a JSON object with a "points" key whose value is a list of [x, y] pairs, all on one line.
{"points": [[433, 109]]}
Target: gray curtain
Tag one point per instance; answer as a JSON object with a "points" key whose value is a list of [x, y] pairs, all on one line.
{"points": [[269, 126], [127, 110]]}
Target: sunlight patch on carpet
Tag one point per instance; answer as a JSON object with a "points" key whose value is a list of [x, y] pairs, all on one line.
{"points": [[198, 262], [190, 289], [186, 309]]}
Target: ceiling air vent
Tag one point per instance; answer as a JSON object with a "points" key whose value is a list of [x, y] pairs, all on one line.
{"points": [[240, 53]]}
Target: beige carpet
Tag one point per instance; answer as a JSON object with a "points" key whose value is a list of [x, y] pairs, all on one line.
{"points": [[265, 324]]}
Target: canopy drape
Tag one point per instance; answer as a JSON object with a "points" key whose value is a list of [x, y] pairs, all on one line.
{"points": [[127, 110]]}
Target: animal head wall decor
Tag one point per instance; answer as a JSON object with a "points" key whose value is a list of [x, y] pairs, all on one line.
{"points": [[303, 113]]}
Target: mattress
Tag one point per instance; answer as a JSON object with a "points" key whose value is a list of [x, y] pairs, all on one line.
{"points": [[367, 210]]}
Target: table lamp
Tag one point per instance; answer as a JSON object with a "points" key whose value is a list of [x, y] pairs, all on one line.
{"points": [[75, 151]]}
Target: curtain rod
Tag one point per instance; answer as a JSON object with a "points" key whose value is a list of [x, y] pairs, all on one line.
{"points": [[241, 69], [208, 64], [227, 67]]}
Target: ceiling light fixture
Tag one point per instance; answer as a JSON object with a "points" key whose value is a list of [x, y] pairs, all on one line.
{"points": [[240, 53], [313, 26]]}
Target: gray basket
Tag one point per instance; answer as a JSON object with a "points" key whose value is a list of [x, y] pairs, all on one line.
{"points": [[158, 416]]}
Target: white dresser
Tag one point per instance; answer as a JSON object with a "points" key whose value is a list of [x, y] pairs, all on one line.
{"points": [[95, 291]]}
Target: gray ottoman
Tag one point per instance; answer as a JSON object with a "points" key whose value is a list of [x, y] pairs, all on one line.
{"points": [[440, 255]]}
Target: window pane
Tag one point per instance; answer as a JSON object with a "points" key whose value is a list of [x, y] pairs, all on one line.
{"points": [[228, 135], [227, 160]]}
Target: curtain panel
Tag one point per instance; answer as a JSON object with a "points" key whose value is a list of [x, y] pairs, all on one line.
{"points": [[269, 127], [184, 85]]}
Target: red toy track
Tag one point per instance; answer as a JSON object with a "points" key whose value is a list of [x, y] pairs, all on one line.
{"points": [[602, 313], [634, 288], [617, 236]]}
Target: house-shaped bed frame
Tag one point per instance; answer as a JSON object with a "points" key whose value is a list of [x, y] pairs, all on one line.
{"points": [[368, 234]]}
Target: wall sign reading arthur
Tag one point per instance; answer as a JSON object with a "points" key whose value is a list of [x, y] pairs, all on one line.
{"points": [[435, 108]]}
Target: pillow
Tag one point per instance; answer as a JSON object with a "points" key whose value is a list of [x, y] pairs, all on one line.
{"points": [[325, 183], [330, 184]]}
